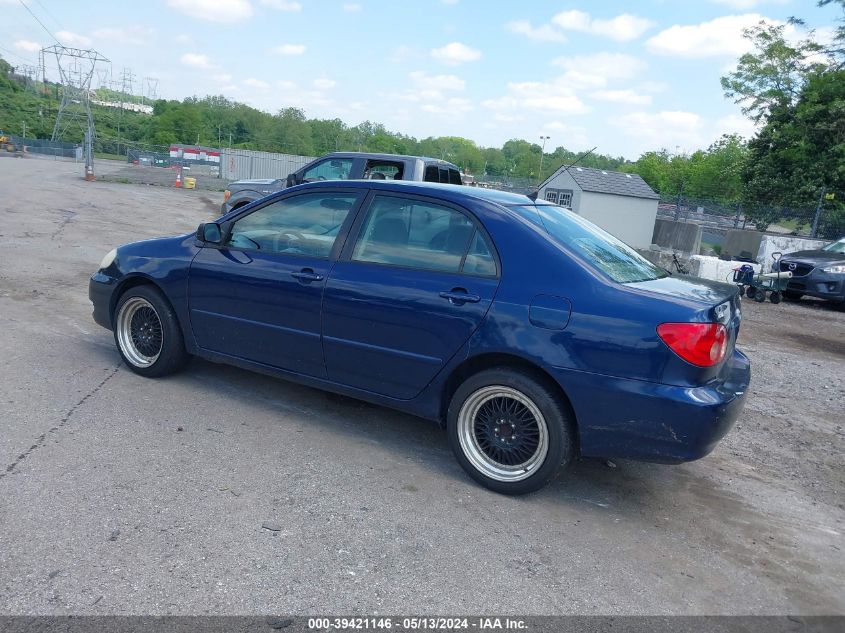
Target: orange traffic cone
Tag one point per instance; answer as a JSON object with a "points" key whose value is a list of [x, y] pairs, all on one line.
{"points": [[178, 178]]}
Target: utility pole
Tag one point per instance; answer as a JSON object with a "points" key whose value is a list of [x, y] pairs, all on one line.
{"points": [[23, 134], [818, 212], [542, 152]]}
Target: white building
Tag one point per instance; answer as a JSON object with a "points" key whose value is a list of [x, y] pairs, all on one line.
{"points": [[622, 204]]}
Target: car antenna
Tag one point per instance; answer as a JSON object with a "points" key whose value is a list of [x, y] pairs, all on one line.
{"points": [[533, 195]]}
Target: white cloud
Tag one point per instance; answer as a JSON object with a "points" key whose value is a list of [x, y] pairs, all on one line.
{"points": [[455, 53], [574, 136], [288, 49], [135, 34], [542, 33], [667, 128], [596, 70], [450, 107], [352, 7], [551, 97], [622, 96], [324, 84], [735, 124], [718, 37], [623, 28], [283, 5], [223, 78], [196, 60], [258, 84], [744, 5], [28, 46], [69, 38], [437, 82], [214, 10]]}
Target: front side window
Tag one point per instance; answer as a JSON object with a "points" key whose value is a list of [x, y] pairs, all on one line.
{"points": [[410, 233], [610, 255], [383, 170], [302, 225], [331, 169]]}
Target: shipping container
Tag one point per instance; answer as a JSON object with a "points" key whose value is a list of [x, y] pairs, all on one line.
{"points": [[237, 164]]}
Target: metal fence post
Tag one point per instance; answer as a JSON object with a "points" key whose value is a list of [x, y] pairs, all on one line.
{"points": [[818, 213]]}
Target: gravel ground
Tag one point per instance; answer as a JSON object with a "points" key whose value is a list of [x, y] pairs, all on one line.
{"points": [[220, 491]]}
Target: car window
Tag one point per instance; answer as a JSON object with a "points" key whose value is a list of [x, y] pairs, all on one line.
{"points": [[331, 169], [432, 174], [407, 232], [302, 225], [610, 255], [479, 259], [383, 170], [836, 247], [455, 177]]}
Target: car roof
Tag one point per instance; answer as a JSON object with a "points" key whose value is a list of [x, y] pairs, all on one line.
{"points": [[440, 190], [427, 159]]}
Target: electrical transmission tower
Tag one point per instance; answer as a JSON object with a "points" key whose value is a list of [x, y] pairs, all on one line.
{"points": [[150, 89], [76, 68], [30, 73]]}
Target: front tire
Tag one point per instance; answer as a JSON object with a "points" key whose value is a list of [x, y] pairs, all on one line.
{"points": [[147, 333], [509, 431]]}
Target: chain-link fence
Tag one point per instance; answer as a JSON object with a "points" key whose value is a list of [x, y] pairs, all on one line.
{"points": [[825, 220]]}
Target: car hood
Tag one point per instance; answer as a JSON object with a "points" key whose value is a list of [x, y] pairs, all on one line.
{"points": [[814, 257]]}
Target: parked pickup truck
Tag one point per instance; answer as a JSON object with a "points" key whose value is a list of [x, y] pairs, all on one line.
{"points": [[345, 166]]}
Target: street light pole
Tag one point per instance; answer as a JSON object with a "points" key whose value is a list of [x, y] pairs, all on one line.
{"points": [[542, 152]]}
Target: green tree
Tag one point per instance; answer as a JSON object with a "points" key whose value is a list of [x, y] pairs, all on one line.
{"points": [[773, 73]]}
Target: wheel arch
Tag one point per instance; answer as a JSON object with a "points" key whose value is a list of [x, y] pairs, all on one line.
{"points": [[132, 281], [493, 360]]}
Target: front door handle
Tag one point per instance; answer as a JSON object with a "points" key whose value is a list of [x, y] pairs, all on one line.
{"points": [[307, 275], [459, 296]]}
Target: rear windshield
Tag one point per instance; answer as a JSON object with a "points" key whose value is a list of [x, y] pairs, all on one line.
{"points": [[610, 255]]}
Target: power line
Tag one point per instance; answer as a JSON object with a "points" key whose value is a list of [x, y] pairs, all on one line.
{"points": [[52, 17], [35, 17]]}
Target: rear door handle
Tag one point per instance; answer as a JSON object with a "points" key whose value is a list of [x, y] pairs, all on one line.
{"points": [[307, 275], [459, 297]]}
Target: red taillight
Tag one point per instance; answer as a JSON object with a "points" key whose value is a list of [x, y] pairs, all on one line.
{"points": [[702, 344]]}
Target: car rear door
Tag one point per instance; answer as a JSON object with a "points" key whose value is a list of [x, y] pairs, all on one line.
{"points": [[407, 292], [257, 297]]}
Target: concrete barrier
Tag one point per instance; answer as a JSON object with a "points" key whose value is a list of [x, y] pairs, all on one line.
{"points": [[680, 236], [784, 244], [740, 242], [715, 268]]}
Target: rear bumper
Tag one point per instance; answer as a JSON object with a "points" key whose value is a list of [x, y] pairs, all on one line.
{"points": [[632, 419], [100, 289]]}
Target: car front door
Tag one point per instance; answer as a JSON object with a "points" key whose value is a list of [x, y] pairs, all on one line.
{"points": [[257, 296], [406, 294]]}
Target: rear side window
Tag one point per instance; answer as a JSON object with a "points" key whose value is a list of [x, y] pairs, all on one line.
{"points": [[432, 174], [455, 177], [444, 175], [422, 235]]}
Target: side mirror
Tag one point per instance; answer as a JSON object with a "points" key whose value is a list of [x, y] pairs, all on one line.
{"points": [[210, 232]]}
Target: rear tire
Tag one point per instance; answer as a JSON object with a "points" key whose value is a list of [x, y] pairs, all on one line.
{"points": [[775, 297], [147, 333], [750, 291], [509, 431]]}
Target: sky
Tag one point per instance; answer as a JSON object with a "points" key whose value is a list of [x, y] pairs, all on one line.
{"points": [[624, 77]]}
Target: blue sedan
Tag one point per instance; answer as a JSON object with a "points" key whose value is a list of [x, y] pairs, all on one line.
{"points": [[529, 333]]}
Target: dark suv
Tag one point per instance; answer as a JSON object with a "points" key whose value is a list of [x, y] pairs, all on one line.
{"points": [[346, 166], [817, 273]]}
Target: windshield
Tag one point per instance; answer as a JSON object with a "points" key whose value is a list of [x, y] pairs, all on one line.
{"points": [[836, 247], [610, 255]]}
